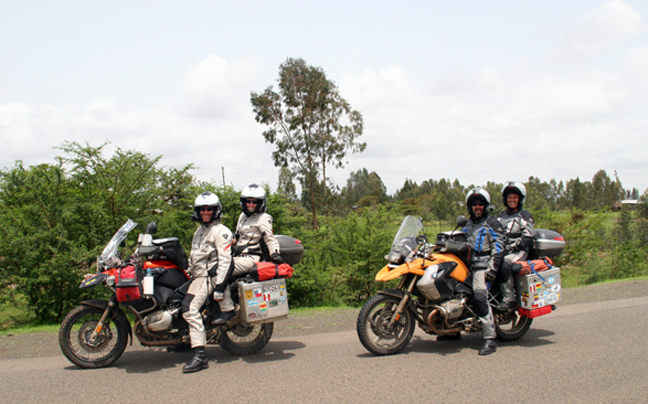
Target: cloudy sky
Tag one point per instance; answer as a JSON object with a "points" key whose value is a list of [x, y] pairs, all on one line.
{"points": [[470, 90]]}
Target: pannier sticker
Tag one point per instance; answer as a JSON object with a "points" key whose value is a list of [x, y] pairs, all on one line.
{"points": [[555, 288], [272, 288], [257, 292], [252, 316], [266, 297], [248, 295], [253, 302], [274, 303], [282, 300], [263, 307], [551, 298]]}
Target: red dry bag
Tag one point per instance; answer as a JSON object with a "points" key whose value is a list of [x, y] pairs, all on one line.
{"points": [[268, 270], [521, 268]]}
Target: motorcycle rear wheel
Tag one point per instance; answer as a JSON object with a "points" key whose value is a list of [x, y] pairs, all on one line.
{"points": [[512, 326], [246, 339], [374, 330], [74, 338]]}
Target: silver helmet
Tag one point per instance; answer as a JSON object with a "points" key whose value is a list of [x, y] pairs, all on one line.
{"points": [[207, 199], [514, 187], [477, 194], [253, 191]]}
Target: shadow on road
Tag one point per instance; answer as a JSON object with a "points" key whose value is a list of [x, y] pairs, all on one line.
{"points": [[148, 360], [472, 341]]}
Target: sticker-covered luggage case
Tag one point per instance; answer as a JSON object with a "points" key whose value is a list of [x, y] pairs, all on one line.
{"points": [[263, 302], [537, 290]]}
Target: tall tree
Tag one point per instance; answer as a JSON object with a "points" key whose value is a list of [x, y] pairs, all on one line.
{"points": [[361, 184], [286, 187], [310, 123]]}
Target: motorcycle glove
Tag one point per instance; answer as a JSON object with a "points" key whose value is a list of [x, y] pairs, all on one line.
{"points": [[277, 259]]}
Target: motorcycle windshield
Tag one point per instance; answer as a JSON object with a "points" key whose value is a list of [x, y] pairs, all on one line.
{"points": [[109, 257], [405, 240]]}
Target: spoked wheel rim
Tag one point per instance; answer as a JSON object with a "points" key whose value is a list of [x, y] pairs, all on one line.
{"points": [[81, 348], [379, 331], [512, 326], [247, 339], [244, 335]]}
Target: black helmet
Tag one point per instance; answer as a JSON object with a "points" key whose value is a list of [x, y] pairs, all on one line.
{"points": [[207, 199], [253, 191], [514, 187], [477, 194]]}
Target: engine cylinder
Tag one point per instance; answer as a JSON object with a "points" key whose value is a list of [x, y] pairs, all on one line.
{"points": [[158, 321]]}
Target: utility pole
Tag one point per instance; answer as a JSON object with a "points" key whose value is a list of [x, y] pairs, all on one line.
{"points": [[223, 171]]}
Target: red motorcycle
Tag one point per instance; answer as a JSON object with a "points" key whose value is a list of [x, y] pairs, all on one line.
{"points": [[151, 284]]}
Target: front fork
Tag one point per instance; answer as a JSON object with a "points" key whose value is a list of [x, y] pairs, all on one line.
{"points": [[102, 321], [406, 297]]}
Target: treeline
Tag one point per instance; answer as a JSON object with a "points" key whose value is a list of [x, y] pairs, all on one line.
{"points": [[56, 218]]}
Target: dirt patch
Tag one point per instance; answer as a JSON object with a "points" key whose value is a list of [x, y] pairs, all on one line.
{"points": [[39, 344]]}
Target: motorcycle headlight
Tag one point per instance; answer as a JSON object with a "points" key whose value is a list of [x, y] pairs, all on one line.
{"points": [[110, 281], [395, 257]]}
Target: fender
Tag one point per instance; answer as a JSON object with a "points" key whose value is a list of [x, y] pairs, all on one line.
{"points": [[399, 294], [117, 316]]}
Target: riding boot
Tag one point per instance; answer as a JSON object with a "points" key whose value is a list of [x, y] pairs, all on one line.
{"points": [[224, 317], [199, 361], [508, 295], [489, 347]]}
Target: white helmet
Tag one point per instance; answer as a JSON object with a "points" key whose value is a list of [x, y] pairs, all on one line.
{"points": [[514, 187], [253, 191], [477, 194], [207, 199]]}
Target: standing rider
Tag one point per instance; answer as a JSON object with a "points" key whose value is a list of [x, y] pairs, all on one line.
{"points": [[209, 265], [518, 229], [253, 234], [484, 237]]}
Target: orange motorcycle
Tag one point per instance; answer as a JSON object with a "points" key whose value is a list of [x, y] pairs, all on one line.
{"points": [[434, 290]]}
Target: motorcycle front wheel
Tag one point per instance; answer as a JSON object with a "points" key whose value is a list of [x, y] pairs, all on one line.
{"points": [[375, 328], [512, 326], [247, 339], [75, 338]]}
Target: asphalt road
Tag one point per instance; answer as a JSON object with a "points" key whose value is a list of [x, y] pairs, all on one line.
{"points": [[591, 351]]}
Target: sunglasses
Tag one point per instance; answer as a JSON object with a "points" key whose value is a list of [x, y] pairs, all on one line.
{"points": [[252, 201], [206, 209], [477, 204]]}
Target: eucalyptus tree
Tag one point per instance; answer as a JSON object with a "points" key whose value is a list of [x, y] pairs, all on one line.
{"points": [[310, 123]]}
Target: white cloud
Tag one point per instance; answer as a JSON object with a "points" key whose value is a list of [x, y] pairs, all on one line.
{"points": [[430, 109], [216, 90], [599, 31]]}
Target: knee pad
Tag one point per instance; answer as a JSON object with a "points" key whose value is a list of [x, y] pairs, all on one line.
{"points": [[186, 302], [481, 302]]}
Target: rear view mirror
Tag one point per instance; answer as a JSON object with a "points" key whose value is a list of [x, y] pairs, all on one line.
{"points": [[151, 228]]}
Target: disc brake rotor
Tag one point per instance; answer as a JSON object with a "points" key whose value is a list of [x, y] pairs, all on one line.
{"points": [[380, 326], [85, 334]]}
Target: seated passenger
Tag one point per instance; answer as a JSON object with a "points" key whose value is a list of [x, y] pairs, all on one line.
{"points": [[254, 227], [518, 238]]}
